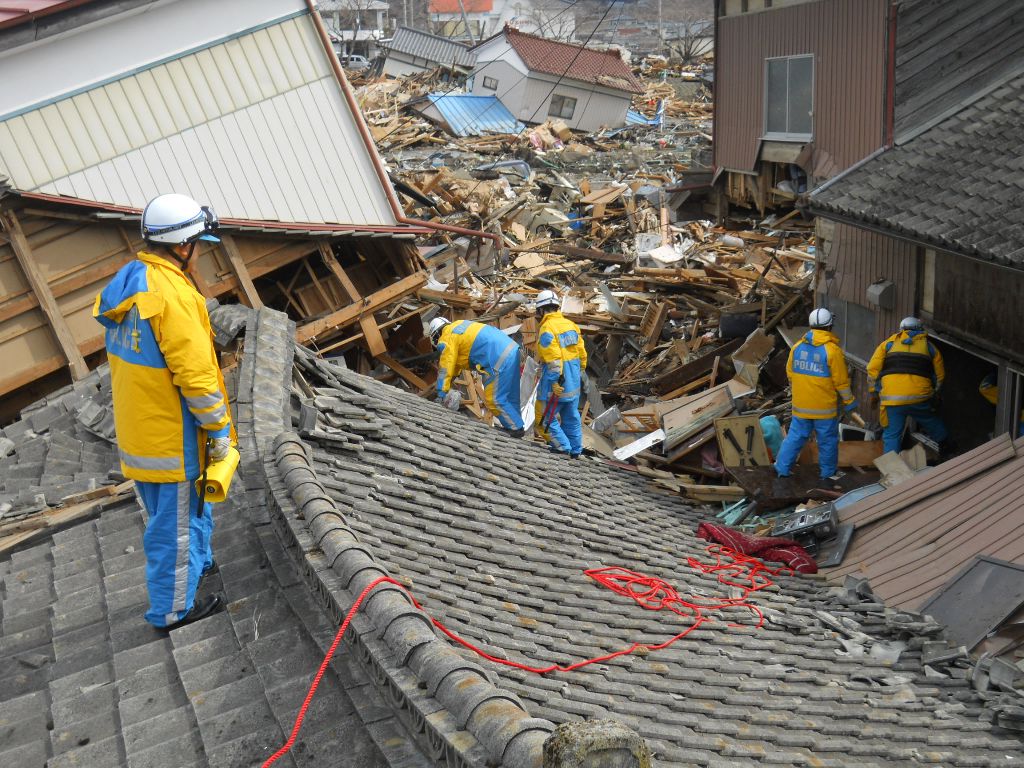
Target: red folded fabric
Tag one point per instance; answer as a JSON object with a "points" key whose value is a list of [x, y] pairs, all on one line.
{"points": [[774, 549]]}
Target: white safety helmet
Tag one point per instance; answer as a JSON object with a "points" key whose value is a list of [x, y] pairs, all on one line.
{"points": [[436, 326], [911, 324], [546, 298], [178, 219], [820, 318]]}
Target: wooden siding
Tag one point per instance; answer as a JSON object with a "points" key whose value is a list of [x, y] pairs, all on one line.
{"points": [[76, 259], [848, 40], [980, 303], [854, 258], [948, 52]]}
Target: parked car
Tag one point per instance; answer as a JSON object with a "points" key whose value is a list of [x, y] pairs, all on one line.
{"points": [[354, 61]]}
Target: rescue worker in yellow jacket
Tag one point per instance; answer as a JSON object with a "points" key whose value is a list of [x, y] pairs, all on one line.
{"points": [[170, 406], [468, 344], [905, 375], [820, 380], [563, 359]]}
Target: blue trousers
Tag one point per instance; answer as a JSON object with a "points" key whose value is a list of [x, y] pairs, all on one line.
{"points": [[565, 432], [923, 414], [177, 545], [800, 430], [501, 394]]}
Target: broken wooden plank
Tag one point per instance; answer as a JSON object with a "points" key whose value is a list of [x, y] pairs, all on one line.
{"points": [[367, 323], [369, 304], [41, 288], [241, 272]]}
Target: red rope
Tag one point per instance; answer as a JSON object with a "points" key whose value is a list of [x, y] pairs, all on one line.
{"points": [[731, 568]]}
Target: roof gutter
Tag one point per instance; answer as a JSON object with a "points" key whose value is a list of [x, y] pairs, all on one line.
{"points": [[364, 132]]}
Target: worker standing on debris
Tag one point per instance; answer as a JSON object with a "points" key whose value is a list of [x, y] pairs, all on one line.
{"points": [[467, 344], [819, 379], [905, 375], [563, 358], [170, 405]]}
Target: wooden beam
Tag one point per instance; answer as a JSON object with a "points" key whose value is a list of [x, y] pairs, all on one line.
{"points": [[367, 323], [241, 271], [371, 303], [41, 288], [415, 381]]}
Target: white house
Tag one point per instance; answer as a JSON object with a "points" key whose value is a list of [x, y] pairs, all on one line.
{"points": [[411, 51], [356, 26], [538, 78]]}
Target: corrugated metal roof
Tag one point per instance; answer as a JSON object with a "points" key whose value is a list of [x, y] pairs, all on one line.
{"points": [[468, 115], [424, 45], [912, 538], [256, 126]]}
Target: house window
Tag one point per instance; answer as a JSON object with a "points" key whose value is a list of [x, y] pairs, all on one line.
{"points": [[490, 84], [855, 328], [789, 97], [562, 106]]}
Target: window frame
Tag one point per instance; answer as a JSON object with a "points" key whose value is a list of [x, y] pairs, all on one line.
{"points": [[490, 83], [561, 113], [787, 135]]}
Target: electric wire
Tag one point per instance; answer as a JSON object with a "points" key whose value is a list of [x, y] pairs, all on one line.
{"points": [[732, 569]]}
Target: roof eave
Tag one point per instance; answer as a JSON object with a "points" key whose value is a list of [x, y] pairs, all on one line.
{"points": [[304, 228]]}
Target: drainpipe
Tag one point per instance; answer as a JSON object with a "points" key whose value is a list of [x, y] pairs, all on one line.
{"points": [[890, 77], [364, 132]]}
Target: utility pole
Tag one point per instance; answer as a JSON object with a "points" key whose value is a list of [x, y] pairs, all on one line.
{"points": [[465, 21], [661, 30]]}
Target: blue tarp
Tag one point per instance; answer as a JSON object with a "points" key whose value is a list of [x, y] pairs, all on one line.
{"points": [[468, 115], [638, 118]]}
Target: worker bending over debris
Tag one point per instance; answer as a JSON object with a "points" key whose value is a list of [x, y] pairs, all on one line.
{"points": [[563, 359], [170, 405], [907, 371], [818, 376], [489, 351]]}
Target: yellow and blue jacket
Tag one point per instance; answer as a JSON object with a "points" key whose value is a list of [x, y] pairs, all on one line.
{"points": [[169, 394], [468, 344], [562, 354], [906, 369], [818, 374]]}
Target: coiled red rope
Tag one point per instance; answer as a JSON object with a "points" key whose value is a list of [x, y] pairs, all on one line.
{"points": [[732, 569]]}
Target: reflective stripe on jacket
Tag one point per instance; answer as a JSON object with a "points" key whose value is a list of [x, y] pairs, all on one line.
{"points": [[468, 344], [169, 394], [904, 380], [562, 353], [817, 372]]}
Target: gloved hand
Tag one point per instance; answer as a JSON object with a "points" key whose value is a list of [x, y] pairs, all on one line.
{"points": [[219, 447], [850, 408], [453, 400], [875, 400], [557, 389], [584, 383]]}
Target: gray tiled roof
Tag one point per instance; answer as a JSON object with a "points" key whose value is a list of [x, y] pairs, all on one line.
{"points": [[86, 681], [440, 50], [958, 186], [492, 535]]}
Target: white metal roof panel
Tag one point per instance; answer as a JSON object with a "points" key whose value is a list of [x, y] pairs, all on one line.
{"points": [[255, 125]]}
